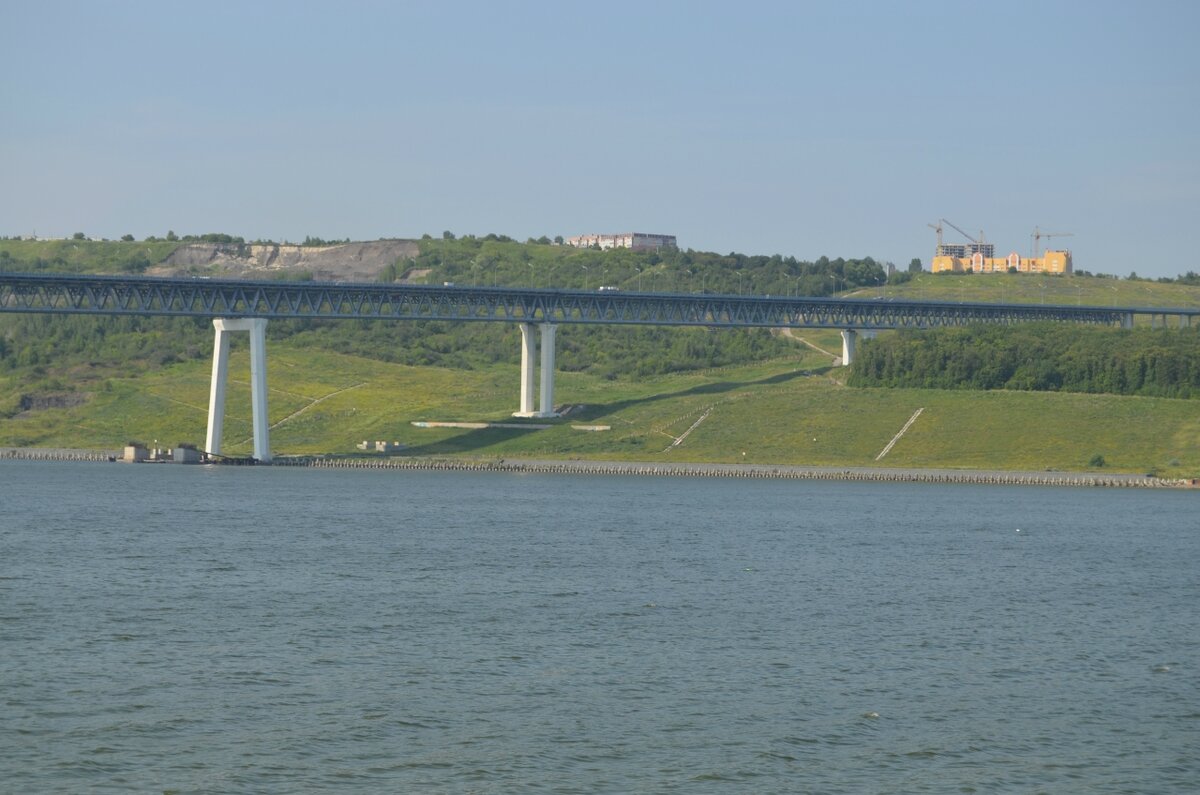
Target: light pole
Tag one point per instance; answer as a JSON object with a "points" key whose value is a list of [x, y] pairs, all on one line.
{"points": [[639, 273], [585, 275], [740, 274], [532, 273]]}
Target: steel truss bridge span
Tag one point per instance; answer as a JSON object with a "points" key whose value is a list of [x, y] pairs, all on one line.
{"points": [[247, 306], [213, 298]]}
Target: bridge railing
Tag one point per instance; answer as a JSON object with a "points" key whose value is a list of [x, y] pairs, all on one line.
{"points": [[202, 297]]}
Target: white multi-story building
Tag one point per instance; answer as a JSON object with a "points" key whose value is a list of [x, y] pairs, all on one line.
{"points": [[638, 241]]}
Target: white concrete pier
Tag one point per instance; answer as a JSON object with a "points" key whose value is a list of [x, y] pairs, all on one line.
{"points": [[528, 357], [529, 350], [849, 336], [258, 384], [547, 375]]}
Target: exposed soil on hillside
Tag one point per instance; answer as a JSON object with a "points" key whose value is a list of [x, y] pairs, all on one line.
{"points": [[348, 262]]}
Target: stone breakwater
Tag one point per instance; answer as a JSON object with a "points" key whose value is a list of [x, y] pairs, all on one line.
{"points": [[778, 472], [57, 454], [753, 471]]}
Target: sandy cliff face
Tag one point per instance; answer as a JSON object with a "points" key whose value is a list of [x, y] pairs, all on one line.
{"points": [[343, 262]]}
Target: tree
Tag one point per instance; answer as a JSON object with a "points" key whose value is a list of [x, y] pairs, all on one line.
{"points": [[390, 273], [138, 263], [171, 236], [79, 236], [558, 239], [127, 238], [915, 265], [447, 235]]}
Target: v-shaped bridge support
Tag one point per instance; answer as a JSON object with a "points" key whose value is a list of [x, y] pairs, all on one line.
{"points": [[258, 384]]}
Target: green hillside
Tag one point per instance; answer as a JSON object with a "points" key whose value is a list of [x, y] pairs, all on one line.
{"points": [[82, 256], [791, 411], [1039, 289], [758, 397]]}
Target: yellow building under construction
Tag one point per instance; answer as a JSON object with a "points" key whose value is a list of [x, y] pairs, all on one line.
{"points": [[980, 257], [985, 262]]}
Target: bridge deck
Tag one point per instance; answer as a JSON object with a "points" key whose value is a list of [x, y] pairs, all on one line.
{"points": [[202, 297]]}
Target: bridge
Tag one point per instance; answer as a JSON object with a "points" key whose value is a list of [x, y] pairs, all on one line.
{"points": [[236, 305]]}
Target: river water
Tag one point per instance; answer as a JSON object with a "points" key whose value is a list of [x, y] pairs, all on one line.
{"points": [[203, 630]]}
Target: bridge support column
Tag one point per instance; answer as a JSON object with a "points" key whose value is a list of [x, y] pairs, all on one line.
{"points": [[529, 350], [547, 374], [1185, 321], [848, 339], [258, 384], [1127, 320], [528, 354]]}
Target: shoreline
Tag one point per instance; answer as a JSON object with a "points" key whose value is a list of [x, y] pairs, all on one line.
{"points": [[753, 471]]}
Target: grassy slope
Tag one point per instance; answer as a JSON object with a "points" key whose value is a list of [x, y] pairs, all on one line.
{"points": [[1031, 289], [88, 256], [771, 412]]}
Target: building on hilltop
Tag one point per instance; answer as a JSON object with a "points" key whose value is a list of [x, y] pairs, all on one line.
{"points": [[638, 241], [979, 256], [979, 261], [964, 250]]}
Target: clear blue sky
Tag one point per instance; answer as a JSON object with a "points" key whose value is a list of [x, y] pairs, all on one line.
{"points": [[793, 128]]}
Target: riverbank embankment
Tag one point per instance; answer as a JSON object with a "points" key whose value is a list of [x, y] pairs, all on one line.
{"points": [[58, 454], [760, 471], [751, 471]]}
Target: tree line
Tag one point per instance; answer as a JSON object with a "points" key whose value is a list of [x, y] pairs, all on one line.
{"points": [[72, 353], [499, 260], [42, 347], [1037, 357]]}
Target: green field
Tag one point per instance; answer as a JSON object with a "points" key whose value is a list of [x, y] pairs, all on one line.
{"points": [[792, 411]]}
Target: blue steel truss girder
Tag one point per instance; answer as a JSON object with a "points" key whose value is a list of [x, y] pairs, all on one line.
{"points": [[131, 295]]}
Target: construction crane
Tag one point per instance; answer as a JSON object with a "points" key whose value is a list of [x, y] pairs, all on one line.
{"points": [[937, 228], [1038, 234], [961, 232]]}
